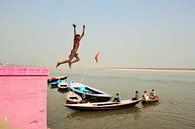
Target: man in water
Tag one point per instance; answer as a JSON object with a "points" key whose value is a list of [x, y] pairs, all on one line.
{"points": [[73, 54]]}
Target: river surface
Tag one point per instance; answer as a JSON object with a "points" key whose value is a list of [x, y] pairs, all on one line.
{"points": [[175, 109]]}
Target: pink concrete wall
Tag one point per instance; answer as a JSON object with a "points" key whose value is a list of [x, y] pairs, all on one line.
{"points": [[23, 97]]}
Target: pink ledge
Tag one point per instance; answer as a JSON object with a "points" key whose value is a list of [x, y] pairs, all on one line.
{"points": [[23, 97], [12, 71]]}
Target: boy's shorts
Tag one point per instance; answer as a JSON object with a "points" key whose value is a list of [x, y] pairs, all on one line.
{"points": [[73, 54]]}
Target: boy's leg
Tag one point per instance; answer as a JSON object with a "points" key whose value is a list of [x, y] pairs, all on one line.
{"points": [[75, 60], [62, 62], [71, 56]]}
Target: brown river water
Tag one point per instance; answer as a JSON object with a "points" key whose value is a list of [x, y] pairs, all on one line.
{"points": [[175, 109]]}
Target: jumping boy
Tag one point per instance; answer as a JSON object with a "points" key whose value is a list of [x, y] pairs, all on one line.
{"points": [[73, 54]]}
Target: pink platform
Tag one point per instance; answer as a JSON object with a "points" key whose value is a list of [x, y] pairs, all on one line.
{"points": [[23, 97]]}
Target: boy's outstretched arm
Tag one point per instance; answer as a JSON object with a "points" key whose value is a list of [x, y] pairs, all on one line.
{"points": [[74, 25], [83, 31]]}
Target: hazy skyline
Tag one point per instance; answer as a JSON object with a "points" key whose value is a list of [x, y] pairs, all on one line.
{"points": [[144, 33]]}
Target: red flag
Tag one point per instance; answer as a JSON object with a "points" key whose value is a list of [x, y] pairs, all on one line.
{"points": [[97, 57]]}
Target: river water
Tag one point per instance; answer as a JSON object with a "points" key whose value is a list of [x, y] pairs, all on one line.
{"points": [[175, 109]]}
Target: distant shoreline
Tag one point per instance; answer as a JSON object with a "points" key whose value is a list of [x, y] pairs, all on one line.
{"points": [[117, 68], [143, 69]]}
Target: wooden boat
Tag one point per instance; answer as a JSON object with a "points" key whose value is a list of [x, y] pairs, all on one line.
{"points": [[63, 85], [150, 100], [55, 79], [72, 97], [101, 106], [89, 93]]}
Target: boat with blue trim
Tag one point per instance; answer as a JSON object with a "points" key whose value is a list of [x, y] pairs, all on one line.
{"points": [[89, 93]]}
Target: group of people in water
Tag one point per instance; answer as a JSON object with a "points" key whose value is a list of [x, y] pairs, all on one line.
{"points": [[146, 96]]}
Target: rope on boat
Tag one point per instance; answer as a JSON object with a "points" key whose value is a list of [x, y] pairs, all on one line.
{"points": [[85, 72]]}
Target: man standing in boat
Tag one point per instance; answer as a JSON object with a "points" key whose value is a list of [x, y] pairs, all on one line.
{"points": [[73, 54]]}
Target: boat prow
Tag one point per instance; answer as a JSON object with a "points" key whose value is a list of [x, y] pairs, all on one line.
{"points": [[72, 98]]}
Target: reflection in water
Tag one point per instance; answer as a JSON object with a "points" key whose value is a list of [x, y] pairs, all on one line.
{"points": [[102, 114], [52, 86], [149, 105], [112, 119], [58, 89], [62, 90]]}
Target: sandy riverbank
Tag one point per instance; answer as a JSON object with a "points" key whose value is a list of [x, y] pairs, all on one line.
{"points": [[143, 69]]}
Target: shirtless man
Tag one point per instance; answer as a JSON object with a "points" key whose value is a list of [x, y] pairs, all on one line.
{"points": [[73, 54]]}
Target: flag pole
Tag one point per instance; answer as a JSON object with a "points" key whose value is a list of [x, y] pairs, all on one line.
{"points": [[86, 71]]}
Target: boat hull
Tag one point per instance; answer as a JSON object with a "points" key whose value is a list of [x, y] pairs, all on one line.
{"points": [[54, 79], [102, 106], [151, 100], [63, 85]]}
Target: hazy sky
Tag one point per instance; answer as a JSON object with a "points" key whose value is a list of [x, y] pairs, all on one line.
{"points": [[128, 33]]}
